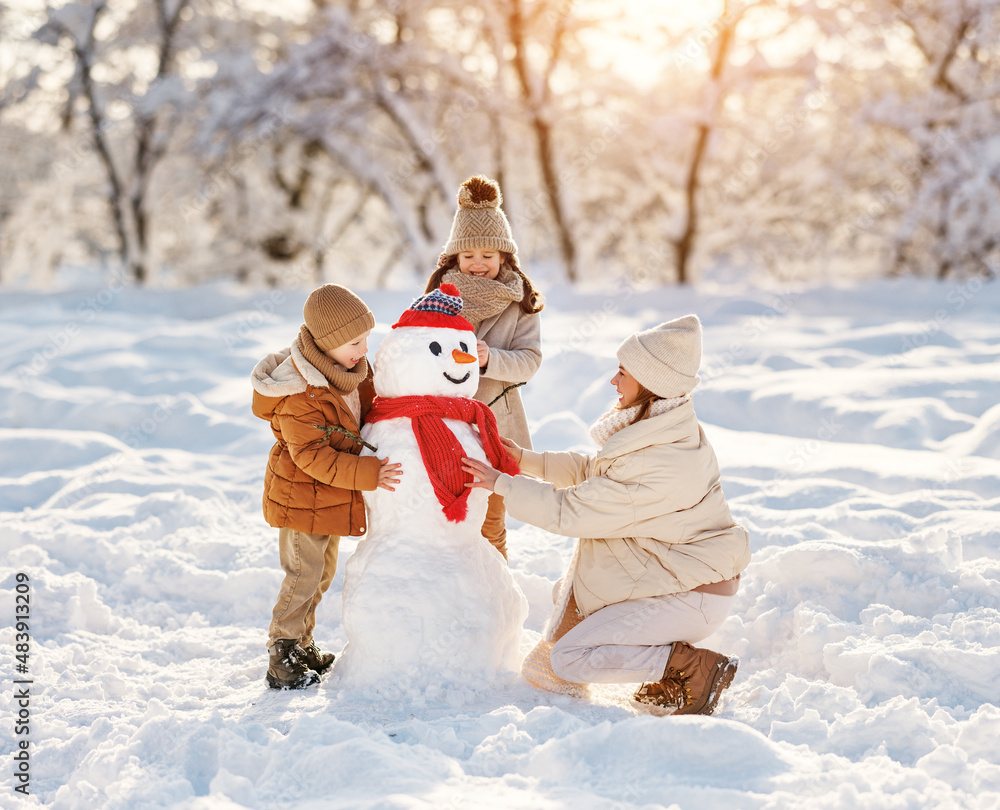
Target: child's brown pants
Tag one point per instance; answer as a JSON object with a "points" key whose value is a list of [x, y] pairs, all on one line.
{"points": [[310, 563]]}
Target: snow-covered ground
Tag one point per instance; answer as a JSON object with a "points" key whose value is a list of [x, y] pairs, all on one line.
{"points": [[858, 431]]}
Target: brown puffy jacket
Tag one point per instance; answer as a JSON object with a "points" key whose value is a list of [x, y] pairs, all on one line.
{"points": [[314, 477]]}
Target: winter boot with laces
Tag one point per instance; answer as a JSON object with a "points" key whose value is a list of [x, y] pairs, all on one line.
{"points": [[693, 681], [661, 697], [317, 660], [287, 668]]}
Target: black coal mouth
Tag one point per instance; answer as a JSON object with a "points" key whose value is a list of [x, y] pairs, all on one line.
{"points": [[458, 382]]}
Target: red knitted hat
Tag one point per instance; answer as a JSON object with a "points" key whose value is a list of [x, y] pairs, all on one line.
{"points": [[441, 307]]}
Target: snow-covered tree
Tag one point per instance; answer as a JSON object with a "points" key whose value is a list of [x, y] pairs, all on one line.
{"points": [[945, 123], [316, 142], [123, 79]]}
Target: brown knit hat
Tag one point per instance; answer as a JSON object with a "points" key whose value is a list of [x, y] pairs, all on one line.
{"points": [[335, 316], [665, 359], [479, 221]]}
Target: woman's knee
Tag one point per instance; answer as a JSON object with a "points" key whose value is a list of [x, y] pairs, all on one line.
{"points": [[565, 657]]}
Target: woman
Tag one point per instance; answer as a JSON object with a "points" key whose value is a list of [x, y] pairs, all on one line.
{"points": [[659, 556]]}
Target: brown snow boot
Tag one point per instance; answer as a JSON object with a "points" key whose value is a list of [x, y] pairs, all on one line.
{"points": [[287, 668], [693, 681], [663, 697], [317, 660]]}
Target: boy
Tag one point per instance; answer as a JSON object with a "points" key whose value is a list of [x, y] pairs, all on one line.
{"points": [[315, 394]]}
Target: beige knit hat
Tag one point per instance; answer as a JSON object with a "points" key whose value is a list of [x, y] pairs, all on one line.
{"points": [[335, 316], [479, 221], [665, 359]]}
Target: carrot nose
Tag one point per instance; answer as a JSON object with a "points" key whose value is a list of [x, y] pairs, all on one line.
{"points": [[463, 357]]}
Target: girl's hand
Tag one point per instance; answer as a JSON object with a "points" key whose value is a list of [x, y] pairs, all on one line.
{"points": [[513, 448], [386, 473], [484, 353], [483, 475]]}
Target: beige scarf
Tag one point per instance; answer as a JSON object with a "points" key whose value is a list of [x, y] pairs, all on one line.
{"points": [[342, 380], [618, 418], [482, 298]]}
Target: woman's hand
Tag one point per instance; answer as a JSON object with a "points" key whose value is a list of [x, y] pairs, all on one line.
{"points": [[484, 353], [386, 473], [483, 475], [513, 448]]}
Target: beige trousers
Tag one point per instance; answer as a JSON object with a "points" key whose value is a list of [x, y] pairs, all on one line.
{"points": [[495, 525], [630, 642], [310, 563]]}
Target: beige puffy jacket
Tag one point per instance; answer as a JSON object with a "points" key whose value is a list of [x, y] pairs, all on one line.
{"points": [[648, 510]]}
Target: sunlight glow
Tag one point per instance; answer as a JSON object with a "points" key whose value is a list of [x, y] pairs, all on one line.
{"points": [[640, 39]]}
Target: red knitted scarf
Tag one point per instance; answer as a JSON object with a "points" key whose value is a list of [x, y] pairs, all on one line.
{"points": [[440, 449]]}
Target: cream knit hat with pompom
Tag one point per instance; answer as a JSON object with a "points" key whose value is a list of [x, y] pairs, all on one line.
{"points": [[479, 222], [665, 359]]}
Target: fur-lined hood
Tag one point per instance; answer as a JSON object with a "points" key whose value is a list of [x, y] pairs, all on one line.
{"points": [[286, 372]]}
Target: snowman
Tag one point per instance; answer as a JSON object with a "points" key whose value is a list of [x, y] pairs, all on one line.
{"points": [[427, 601]]}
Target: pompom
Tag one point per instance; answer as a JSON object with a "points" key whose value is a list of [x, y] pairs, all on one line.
{"points": [[480, 192], [458, 509]]}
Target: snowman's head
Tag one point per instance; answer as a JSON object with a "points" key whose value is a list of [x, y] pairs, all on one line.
{"points": [[422, 360], [431, 350]]}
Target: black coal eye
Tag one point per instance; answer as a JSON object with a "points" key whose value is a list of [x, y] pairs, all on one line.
{"points": [[464, 347], [435, 348]]}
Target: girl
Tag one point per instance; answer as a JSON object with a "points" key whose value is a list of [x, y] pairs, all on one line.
{"points": [[501, 303], [659, 557]]}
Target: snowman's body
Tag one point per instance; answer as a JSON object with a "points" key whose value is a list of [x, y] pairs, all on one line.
{"points": [[427, 600]]}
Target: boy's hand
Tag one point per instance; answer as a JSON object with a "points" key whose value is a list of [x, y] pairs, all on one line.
{"points": [[513, 448], [386, 473], [484, 476], [484, 353]]}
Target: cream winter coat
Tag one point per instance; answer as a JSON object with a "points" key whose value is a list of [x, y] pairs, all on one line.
{"points": [[515, 345], [648, 510]]}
